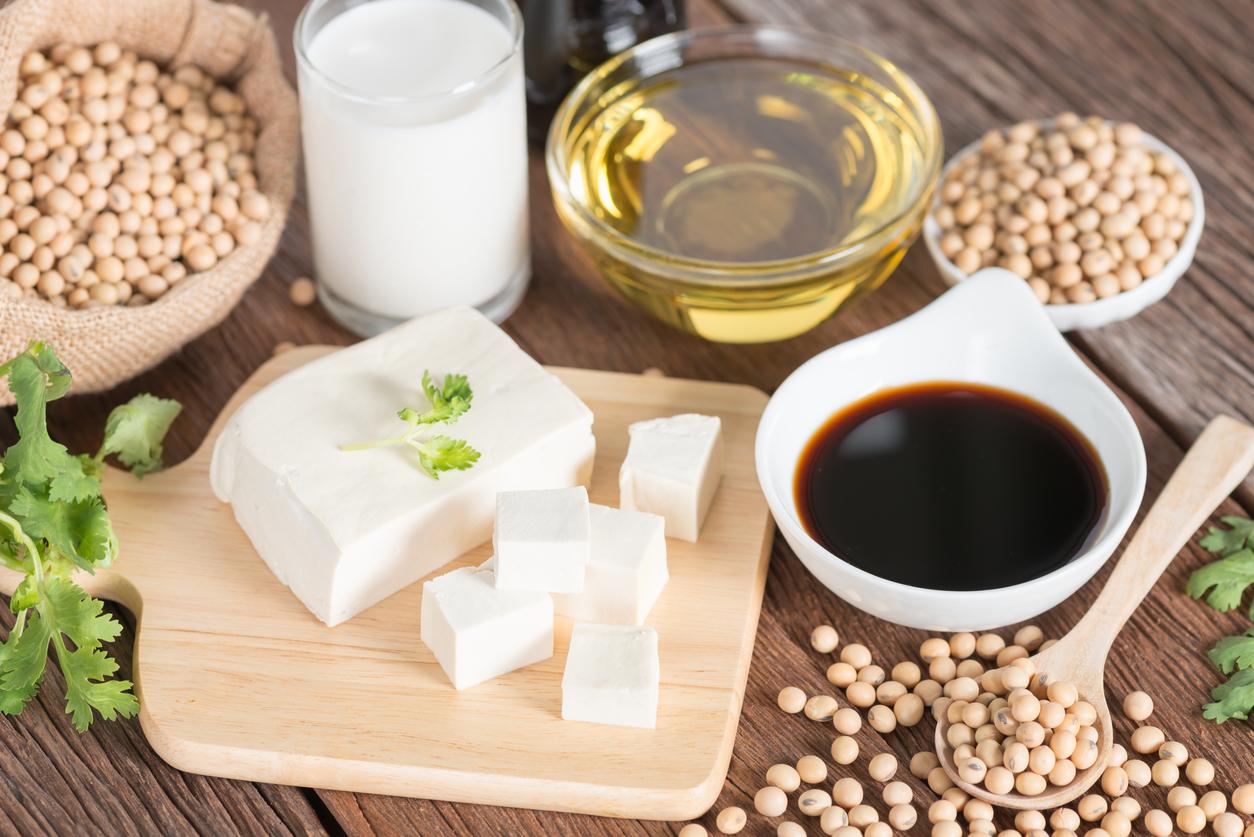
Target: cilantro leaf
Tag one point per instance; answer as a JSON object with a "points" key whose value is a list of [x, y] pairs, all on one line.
{"points": [[58, 376], [1234, 652], [78, 615], [35, 378], [135, 430], [1227, 541], [1225, 579], [442, 453], [72, 613], [1232, 700], [22, 660], [80, 531], [448, 403], [86, 687], [77, 481]]}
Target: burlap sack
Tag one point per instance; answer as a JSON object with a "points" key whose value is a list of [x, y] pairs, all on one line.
{"points": [[105, 346]]}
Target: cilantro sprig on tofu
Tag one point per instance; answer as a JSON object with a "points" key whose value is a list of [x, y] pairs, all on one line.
{"points": [[53, 522], [448, 403], [436, 452]]}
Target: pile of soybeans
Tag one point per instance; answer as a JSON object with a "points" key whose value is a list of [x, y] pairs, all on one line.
{"points": [[119, 178]]}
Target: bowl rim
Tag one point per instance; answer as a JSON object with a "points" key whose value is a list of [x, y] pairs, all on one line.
{"points": [[1112, 309], [1084, 563], [701, 271]]}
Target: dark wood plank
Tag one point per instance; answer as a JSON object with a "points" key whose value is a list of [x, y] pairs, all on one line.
{"points": [[110, 777]]}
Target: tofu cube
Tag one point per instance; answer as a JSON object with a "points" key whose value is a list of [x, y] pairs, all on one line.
{"points": [[673, 468], [611, 675], [542, 540], [626, 573], [478, 632]]}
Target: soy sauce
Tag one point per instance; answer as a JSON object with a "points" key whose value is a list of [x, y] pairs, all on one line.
{"points": [[951, 486]]}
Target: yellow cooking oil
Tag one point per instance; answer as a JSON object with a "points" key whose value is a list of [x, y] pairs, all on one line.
{"points": [[748, 198]]}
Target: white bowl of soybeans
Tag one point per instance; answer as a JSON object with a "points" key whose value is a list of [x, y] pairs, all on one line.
{"points": [[1099, 218]]}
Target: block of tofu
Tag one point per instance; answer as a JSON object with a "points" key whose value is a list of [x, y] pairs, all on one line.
{"points": [[345, 530], [478, 632], [611, 675], [541, 539], [627, 571], [673, 468]]}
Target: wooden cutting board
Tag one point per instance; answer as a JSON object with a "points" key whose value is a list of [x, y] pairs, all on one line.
{"points": [[237, 679]]}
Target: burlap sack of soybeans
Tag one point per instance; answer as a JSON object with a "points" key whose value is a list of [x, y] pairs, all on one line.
{"points": [[105, 346]]}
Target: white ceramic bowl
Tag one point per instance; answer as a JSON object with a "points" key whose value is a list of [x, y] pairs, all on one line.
{"points": [[1112, 309], [990, 330]]}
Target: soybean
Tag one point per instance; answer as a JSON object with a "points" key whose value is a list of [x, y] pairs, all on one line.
{"points": [[824, 639], [731, 820], [770, 801], [791, 699]]}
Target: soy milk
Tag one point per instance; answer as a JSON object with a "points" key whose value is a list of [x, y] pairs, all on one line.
{"points": [[414, 130]]}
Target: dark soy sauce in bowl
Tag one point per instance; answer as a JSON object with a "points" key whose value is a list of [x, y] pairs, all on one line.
{"points": [[951, 486]]}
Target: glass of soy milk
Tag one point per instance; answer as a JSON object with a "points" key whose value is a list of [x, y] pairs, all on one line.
{"points": [[414, 127]]}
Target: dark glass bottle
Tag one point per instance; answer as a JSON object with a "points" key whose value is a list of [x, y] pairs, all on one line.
{"points": [[564, 39]]}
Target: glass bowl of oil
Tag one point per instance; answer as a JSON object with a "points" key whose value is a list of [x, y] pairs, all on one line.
{"points": [[745, 183]]}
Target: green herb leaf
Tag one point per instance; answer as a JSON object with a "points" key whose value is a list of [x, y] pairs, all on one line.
{"points": [[1232, 700], [1225, 579], [135, 430], [1234, 652], [79, 531], [79, 480], [22, 660], [58, 383], [441, 453], [35, 378], [82, 619], [447, 403], [1227, 541], [84, 669], [78, 615]]}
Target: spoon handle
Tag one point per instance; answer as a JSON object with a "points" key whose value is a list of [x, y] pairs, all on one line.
{"points": [[1212, 468]]}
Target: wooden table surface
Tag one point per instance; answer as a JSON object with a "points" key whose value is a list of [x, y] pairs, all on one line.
{"points": [[1183, 71]]}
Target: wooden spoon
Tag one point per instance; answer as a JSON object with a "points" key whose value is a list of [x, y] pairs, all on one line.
{"points": [[1212, 468]]}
